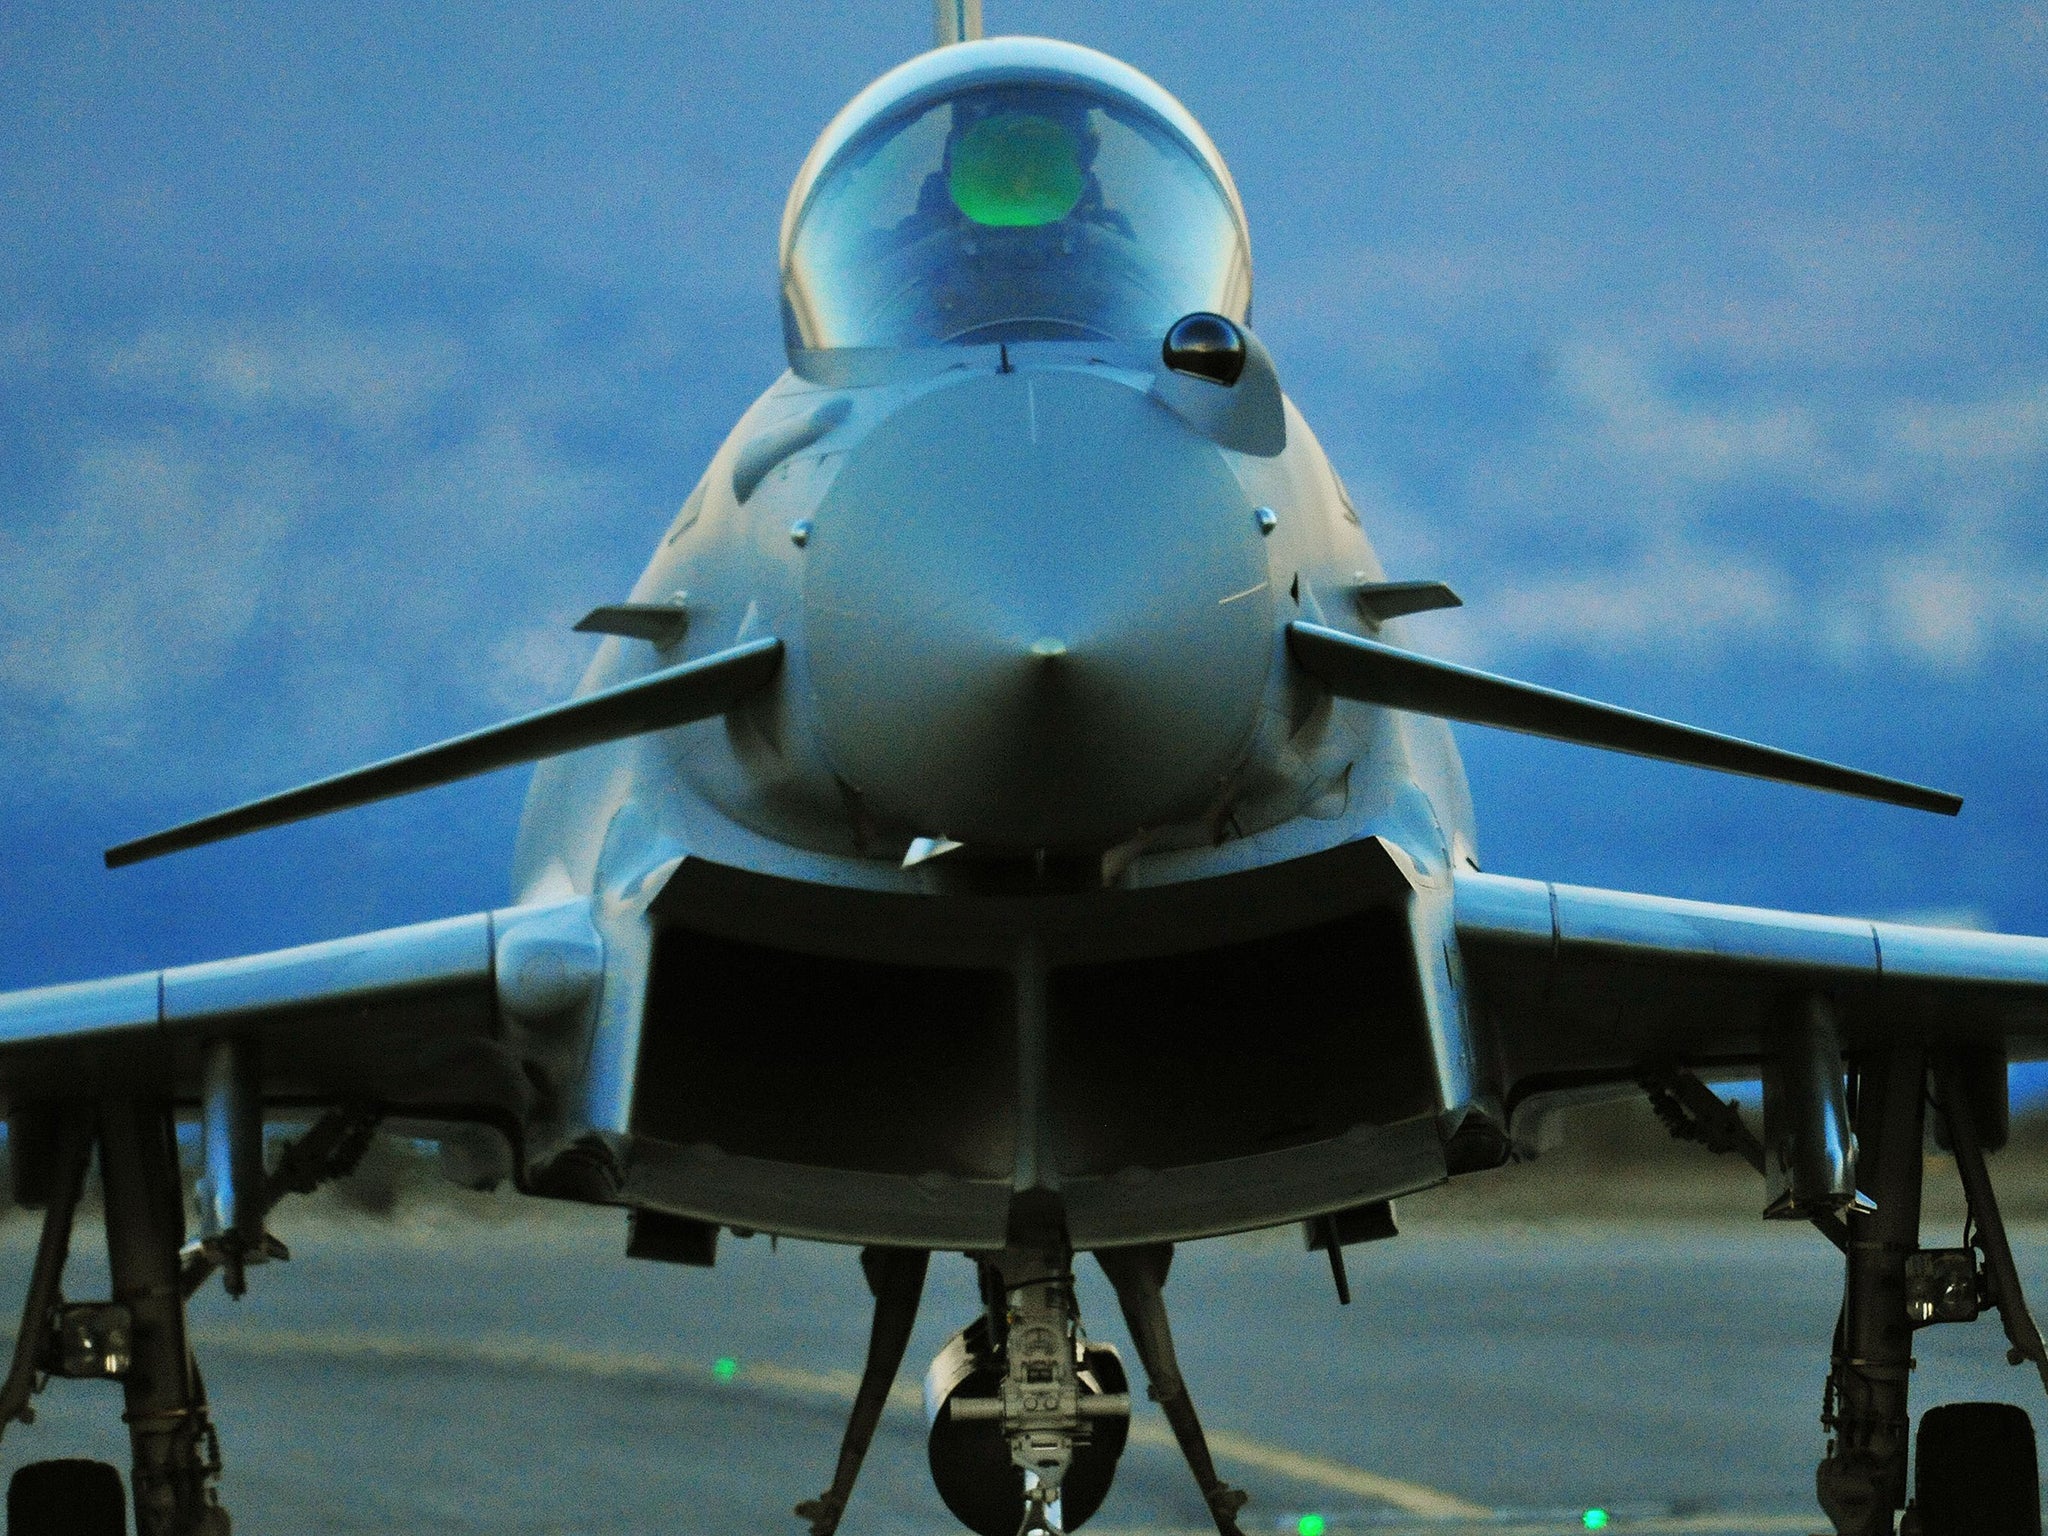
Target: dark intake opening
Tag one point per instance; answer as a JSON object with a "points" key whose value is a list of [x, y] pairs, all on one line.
{"points": [[832, 1063], [1161, 1063]]}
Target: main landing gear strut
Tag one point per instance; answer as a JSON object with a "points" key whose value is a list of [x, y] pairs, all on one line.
{"points": [[1028, 1416], [138, 1336], [1975, 1472]]}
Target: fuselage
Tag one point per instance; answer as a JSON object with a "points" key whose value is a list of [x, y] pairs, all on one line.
{"points": [[1028, 608], [1037, 799]]}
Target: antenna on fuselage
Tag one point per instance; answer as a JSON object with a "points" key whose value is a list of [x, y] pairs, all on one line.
{"points": [[956, 21]]}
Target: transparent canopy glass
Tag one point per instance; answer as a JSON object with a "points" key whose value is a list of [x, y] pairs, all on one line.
{"points": [[1012, 211]]}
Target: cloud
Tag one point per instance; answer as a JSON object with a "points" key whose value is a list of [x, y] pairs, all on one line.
{"points": [[1668, 599], [1946, 609], [1813, 426], [1633, 516], [1617, 416], [537, 664], [140, 579], [1821, 289], [1979, 465], [264, 550], [1936, 610], [1626, 498], [353, 378]]}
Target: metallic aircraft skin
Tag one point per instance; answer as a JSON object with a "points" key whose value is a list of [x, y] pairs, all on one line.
{"points": [[1033, 597], [1044, 498], [1006, 818], [1118, 536]]}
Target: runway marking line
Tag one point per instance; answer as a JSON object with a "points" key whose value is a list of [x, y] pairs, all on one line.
{"points": [[1431, 1504]]}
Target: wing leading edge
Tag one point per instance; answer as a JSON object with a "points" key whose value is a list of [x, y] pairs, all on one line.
{"points": [[417, 1015], [1581, 985]]}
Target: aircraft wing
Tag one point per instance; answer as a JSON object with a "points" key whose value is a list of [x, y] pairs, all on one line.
{"points": [[1582, 987], [422, 1016]]}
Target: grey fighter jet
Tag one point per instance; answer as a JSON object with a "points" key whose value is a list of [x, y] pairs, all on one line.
{"points": [[1009, 819]]}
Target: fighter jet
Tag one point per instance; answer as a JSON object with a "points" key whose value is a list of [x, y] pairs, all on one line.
{"points": [[1009, 818]]}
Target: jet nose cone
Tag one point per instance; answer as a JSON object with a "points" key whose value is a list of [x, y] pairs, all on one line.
{"points": [[1038, 615]]}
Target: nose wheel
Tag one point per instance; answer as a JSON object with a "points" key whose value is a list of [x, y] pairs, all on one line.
{"points": [[1027, 1415]]}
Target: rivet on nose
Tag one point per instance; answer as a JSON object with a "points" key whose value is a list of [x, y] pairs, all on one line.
{"points": [[800, 532], [1266, 518]]}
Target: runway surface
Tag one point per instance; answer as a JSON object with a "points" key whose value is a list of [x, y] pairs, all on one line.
{"points": [[440, 1376]]}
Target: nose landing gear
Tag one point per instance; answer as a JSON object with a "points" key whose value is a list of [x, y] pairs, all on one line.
{"points": [[1139, 1275], [896, 1277], [1026, 1412], [1027, 1415]]}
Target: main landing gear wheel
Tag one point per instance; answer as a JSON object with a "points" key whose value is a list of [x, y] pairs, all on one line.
{"points": [[1975, 1472], [74, 1498]]}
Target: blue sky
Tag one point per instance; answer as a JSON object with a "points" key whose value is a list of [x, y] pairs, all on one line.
{"points": [[348, 353]]}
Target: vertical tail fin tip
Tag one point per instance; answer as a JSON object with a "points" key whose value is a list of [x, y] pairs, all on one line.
{"points": [[956, 21]]}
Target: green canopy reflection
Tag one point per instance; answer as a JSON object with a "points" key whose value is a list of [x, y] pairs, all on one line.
{"points": [[1015, 170]]}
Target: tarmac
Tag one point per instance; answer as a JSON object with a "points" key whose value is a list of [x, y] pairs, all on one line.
{"points": [[440, 1373]]}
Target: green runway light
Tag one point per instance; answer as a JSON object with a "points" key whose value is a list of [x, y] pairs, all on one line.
{"points": [[1311, 1525], [1595, 1519], [725, 1367]]}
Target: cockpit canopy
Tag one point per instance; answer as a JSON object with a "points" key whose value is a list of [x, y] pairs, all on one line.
{"points": [[1010, 190]]}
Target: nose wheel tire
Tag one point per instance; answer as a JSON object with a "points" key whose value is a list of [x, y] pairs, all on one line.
{"points": [[1976, 1472], [67, 1498]]}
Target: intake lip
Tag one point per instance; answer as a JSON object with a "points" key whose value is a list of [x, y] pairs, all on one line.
{"points": [[1038, 614]]}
